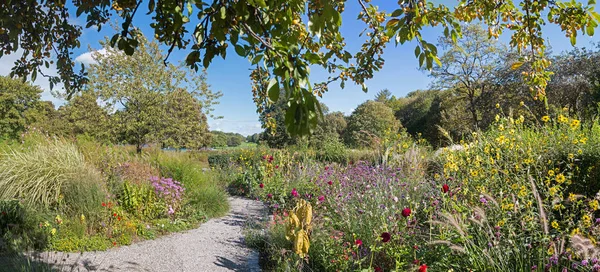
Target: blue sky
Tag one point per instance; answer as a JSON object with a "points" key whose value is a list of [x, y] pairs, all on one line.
{"points": [[400, 74]]}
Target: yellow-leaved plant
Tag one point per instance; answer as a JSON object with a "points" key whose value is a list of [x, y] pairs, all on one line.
{"points": [[298, 227]]}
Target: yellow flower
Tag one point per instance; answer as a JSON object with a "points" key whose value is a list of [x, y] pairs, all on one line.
{"points": [[562, 119], [574, 123], [571, 156], [553, 190], [551, 173], [474, 173], [586, 221], [554, 224], [594, 205], [575, 231], [82, 218], [497, 106], [545, 118], [560, 178], [53, 231], [522, 103], [572, 197]]}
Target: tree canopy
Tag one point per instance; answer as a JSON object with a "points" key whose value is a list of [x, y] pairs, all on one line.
{"points": [[19, 102], [272, 35]]}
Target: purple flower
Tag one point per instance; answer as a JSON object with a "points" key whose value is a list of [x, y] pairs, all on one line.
{"points": [[584, 263]]}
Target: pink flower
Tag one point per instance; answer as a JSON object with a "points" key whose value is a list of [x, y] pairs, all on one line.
{"points": [[445, 188], [261, 185], [295, 193], [269, 196], [321, 198], [358, 242], [406, 212]]}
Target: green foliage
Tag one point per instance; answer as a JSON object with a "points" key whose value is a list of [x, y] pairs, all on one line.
{"points": [[155, 103], [219, 160], [19, 227], [83, 116], [49, 175], [204, 191], [19, 103], [368, 123], [333, 151], [273, 32], [141, 201], [467, 67]]}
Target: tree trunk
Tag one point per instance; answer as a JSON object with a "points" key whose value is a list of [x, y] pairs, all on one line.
{"points": [[138, 148]]}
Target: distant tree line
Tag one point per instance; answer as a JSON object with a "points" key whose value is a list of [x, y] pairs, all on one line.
{"points": [[478, 78], [135, 100]]}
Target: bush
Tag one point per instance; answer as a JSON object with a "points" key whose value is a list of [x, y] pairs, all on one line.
{"points": [[333, 151], [51, 175], [203, 191], [19, 227], [219, 160]]}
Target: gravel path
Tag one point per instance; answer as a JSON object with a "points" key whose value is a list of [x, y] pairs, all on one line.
{"points": [[217, 245]]}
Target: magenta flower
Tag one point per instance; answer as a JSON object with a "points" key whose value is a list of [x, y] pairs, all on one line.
{"points": [[321, 198], [261, 185], [295, 193]]}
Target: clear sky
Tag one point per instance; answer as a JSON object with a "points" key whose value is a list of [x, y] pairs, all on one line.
{"points": [[231, 76]]}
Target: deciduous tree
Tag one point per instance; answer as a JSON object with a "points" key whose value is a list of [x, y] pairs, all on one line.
{"points": [[287, 36]]}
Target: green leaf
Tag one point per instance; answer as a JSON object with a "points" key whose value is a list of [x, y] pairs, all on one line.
{"points": [[240, 50], [590, 30], [223, 13], [437, 60], [392, 23], [273, 89], [573, 39], [397, 12], [417, 51]]}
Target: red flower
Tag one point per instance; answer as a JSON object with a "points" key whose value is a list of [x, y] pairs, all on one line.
{"points": [[378, 269], [445, 188], [269, 196], [423, 268], [119, 218], [330, 182], [115, 214], [406, 212], [295, 193], [261, 185], [321, 198], [114, 243], [385, 237], [103, 204], [276, 166], [358, 242]]}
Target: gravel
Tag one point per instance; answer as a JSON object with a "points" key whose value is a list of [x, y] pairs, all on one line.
{"points": [[217, 245]]}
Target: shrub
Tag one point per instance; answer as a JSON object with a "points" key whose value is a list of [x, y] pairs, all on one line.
{"points": [[19, 227], [53, 174], [203, 191], [333, 151], [219, 160]]}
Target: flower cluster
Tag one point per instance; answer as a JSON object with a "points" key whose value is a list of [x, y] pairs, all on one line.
{"points": [[171, 191]]}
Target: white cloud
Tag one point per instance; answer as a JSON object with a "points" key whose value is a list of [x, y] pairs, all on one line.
{"points": [[88, 57], [6, 64]]}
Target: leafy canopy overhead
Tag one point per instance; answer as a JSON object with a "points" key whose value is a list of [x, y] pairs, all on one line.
{"points": [[271, 34]]}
